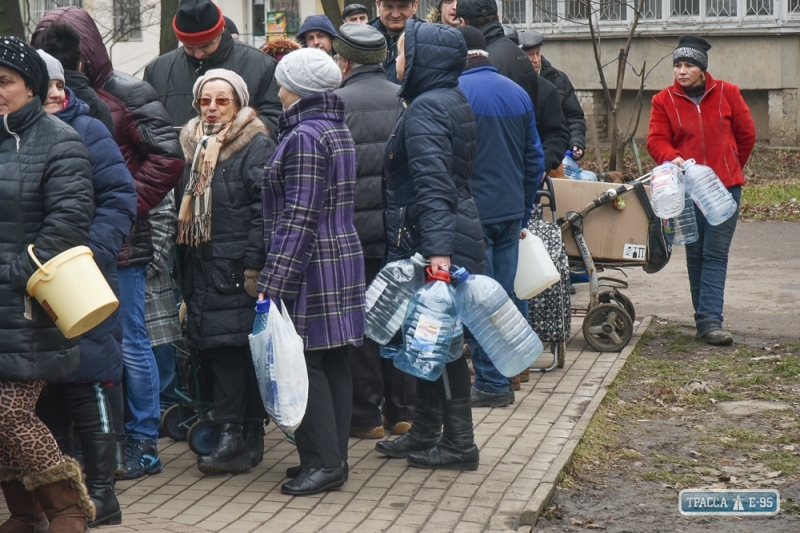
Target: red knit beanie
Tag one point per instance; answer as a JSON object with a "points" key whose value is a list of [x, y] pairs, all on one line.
{"points": [[197, 22]]}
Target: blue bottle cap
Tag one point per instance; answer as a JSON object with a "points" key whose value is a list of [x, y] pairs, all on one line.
{"points": [[460, 275], [262, 306]]}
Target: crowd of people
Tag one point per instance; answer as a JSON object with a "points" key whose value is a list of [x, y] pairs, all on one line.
{"points": [[231, 175]]}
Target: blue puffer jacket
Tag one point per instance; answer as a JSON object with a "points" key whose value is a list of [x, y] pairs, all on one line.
{"points": [[115, 212], [510, 160], [429, 156]]}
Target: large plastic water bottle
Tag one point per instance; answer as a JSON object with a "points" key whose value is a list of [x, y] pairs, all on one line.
{"points": [[667, 194], [496, 323], [713, 199], [683, 228], [390, 351], [571, 169], [262, 312], [428, 329], [457, 344], [587, 175], [388, 296]]}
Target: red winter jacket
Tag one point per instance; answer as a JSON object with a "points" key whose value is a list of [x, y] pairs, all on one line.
{"points": [[719, 132]]}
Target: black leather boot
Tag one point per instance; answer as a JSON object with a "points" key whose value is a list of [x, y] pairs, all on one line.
{"points": [[120, 459], [230, 454], [456, 450], [254, 438], [425, 428], [99, 453]]}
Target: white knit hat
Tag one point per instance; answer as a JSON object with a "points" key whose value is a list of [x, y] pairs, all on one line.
{"points": [[229, 76], [308, 71], [54, 69]]}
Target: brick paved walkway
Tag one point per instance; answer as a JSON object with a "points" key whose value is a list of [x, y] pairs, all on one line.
{"points": [[523, 449]]}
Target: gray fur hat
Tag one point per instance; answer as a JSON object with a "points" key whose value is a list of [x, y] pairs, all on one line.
{"points": [[360, 43]]}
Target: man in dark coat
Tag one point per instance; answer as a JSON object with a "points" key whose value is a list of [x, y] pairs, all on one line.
{"points": [[371, 110], [200, 26], [391, 22], [153, 156], [573, 113]]}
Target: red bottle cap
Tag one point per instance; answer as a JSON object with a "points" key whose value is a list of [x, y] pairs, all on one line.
{"points": [[441, 275]]}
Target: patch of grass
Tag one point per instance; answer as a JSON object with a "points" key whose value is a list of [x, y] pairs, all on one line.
{"points": [[782, 461], [665, 476], [769, 194], [734, 438], [789, 367]]}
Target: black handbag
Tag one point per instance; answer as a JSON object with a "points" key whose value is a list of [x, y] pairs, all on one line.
{"points": [[658, 250]]}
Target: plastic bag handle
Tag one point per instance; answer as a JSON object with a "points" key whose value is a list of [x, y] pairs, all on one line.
{"points": [[35, 260]]}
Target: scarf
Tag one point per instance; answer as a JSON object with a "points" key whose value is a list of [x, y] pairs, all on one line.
{"points": [[194, 216]]}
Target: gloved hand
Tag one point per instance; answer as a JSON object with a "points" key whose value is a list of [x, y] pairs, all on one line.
{"points": [[577, 153], [251, 282]]}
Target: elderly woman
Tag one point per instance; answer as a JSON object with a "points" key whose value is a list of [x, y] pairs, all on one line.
{"points": [[707, 120], [46, 200], [314, 260], [221, 249], [430, 210]]}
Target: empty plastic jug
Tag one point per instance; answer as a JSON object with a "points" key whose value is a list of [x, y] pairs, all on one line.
{"points": [[388, 296], [428, 329], [683, 228], [667, 193], [496, 323], [711, 196], [571, 169], [535, 268]]}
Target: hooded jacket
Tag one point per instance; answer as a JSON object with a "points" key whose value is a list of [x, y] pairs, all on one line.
{"points": [[573, 112], [718, 132], [114, 214], [219, 311], [430, 155], [46, 200], [511, 61], [173, 75], [371, 108], [142, 129]]}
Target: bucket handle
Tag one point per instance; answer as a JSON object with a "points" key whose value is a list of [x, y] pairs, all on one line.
{"points": [[35, 260]]}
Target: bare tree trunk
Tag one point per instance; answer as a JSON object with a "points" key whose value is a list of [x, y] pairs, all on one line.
{"points": [[332, 11], [168, 40], [11, 19]]}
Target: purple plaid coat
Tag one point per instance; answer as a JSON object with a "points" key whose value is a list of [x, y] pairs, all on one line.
{"points": [[314, 260]]}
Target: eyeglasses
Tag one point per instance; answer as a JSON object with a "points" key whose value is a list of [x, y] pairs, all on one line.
{"points": [[221, 101]]}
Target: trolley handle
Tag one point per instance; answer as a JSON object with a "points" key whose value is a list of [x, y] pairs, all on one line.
{"points": [[574, 218], [546, 191]]}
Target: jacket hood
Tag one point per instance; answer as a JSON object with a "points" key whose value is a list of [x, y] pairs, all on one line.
{"points": [[435, 57], [494, 31], [245, 126], [547, 67], [75, 107], [93, 50]]}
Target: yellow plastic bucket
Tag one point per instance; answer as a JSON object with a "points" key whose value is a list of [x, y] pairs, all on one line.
{"points": [[72, 290]]}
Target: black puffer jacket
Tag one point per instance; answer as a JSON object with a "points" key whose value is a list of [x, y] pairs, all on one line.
{"points": [[219, 312], [573, 112], [551, 125], [371, 109], [173, 75], [46, 199], [429, 156], [511, 61], [79, 83]]}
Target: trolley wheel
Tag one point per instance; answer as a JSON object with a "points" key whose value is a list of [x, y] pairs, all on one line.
{"points": [[607, 328], [171, 422], [614, 296], [201, 437], [561, 351]]}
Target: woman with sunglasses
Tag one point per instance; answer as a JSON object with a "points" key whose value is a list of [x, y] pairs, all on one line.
{"points": [[219, 242]]}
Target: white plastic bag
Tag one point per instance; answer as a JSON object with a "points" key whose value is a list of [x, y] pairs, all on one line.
{"points": [[281, 369]]}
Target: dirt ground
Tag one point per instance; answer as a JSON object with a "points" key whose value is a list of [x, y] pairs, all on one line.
{"points": [[665, 425]]}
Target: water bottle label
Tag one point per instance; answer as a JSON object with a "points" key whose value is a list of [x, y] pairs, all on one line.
{"points": [[426, 335], [374, 292]]}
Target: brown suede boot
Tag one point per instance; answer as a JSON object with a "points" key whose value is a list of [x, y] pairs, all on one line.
{"points": [[26, 513], [62, 494]]}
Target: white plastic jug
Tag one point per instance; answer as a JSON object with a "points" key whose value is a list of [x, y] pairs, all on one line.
{"points": [[535, 268]]}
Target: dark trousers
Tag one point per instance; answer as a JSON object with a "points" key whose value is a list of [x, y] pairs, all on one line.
{"points": [[322, 437], [453, 384], [376, 379], [84, 404], [237, 399], [116, 399]]}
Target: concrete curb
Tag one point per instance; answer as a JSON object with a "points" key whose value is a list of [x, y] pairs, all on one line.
{"points": [[544, 492]]}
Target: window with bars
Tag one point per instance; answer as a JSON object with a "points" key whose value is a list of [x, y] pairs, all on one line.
{"points": [[40, 7], [759, 7], [578, 9], [545, 11], [127, 20], [651, 9], [794, 7], [720, 8], [683, 8], [514, 11]]}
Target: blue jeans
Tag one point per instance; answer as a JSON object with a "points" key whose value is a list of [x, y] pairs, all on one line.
{"points": [[167, 374], [502, 252], [141, 371], [707, 262]]}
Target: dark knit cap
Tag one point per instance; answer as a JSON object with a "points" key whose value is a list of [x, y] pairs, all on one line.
{"points": [[197, 22], [473, 37], [17, 55], [472, 9], [316, 23], [352, 9], [531, 39], [230, 26], [360, 43], [693, 49]]}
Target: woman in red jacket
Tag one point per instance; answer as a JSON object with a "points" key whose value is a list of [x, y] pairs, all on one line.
{"points": [[706, 120]]}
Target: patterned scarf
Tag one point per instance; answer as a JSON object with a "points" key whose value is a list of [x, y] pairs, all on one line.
{"points": [[194, 217]]}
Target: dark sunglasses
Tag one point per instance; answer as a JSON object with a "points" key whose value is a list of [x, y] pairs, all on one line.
{"points": [[221, 101]]}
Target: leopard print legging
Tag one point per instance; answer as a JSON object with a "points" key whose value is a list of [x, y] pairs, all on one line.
{"points": [[25, 442]]}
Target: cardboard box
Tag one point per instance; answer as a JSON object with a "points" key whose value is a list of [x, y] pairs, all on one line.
{"points": [[611, 234]]}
